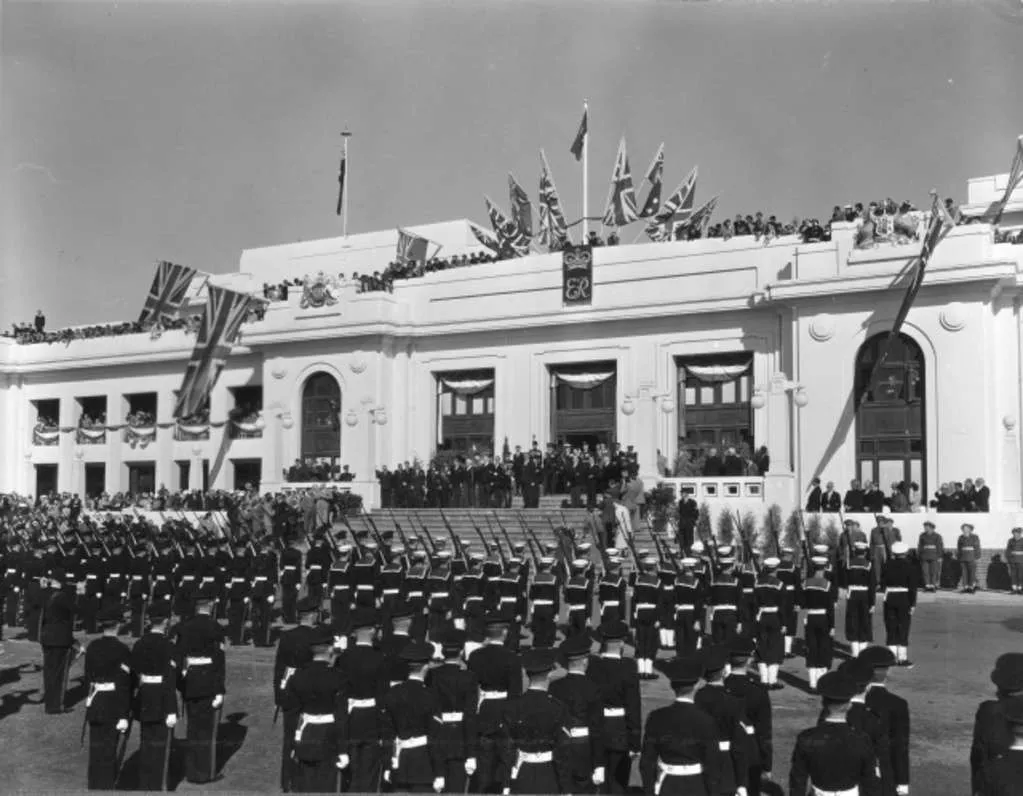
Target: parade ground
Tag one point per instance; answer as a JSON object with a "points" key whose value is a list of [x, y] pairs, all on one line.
{"points": [[955, 641]]}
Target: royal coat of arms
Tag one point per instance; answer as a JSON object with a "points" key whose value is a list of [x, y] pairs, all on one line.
{"points": [[318, 291]]}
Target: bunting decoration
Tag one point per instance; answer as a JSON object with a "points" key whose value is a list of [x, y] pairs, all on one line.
{"points": [[1015, 178], [621, 202], [553, 227], [579, 143], [521, 208], [511, 241], [225, 312], [411, 247], [654, 175], [676, 208], [167, 293]]}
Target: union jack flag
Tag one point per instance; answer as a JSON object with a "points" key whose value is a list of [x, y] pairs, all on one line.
{"points": [[677, 208], [522, 209], [1015, 178], [483, 237], [511, 241], [225, 312], [701, 216], [553, 227], [411, 247], [653, 176], [621, 202], [170, 284]]}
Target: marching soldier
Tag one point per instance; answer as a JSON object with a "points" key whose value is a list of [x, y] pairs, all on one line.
{"points": [[757, 722], [819, 625], [290, 579], [457, 691], [1014, 558], [862, 718], [294, 650], [833, 757], [931, 551], [579, 598], [1001, 777], [892, 710], [611, 589], [768, 594], [861, 595], [968, 550], [618, 680], [314, 694], [991, 733], [645, 598], [139, 587], [261, 596], [724, 599], [154, 664], [583, 700], [317, 562], [108, 704], [200, 643], [899, 584], [680, 744], [162, 590], [689, 608], [544, 599], [667, 573], [728, 713], [57, 640], [339, 588], [791, 580], [238, 592], [440, 584], [881, 538]]}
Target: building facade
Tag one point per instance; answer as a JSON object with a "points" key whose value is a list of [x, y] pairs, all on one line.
{"points": [[684, 345]]}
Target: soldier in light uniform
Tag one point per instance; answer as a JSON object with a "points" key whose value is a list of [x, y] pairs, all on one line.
{"points": [[968, 550], [1014, 558], [930, 549]]}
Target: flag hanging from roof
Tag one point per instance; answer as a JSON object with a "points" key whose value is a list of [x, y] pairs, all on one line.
{"points": [[621, 202], [553, 227], [225, 312], [167, 293], [1015, 178], [677, 208], [654, 175], [411, 247], [580, 137], [938, 226], [521, 208], [341, 174], [511, 242]]}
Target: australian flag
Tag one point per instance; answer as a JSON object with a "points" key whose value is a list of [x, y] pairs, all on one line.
{"points": [[654, 175], [511, 241]]}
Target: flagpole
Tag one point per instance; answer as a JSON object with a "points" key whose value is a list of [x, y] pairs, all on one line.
{"points": [[345, 195], [586, 169]]}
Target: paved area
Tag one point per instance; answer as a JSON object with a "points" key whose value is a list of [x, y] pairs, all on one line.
{"points": [[956, 638]]}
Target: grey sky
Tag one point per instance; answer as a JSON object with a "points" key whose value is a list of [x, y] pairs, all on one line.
{"points": [[143, 131]]}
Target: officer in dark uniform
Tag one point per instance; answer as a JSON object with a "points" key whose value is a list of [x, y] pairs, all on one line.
{"points": [[154, 664], [261, 595], [457, 691], [991, 733], [861, 592], [339, 588], [728, 713], [611, 590], [290, 580], [833, 757], [792, 586], [819, 626], [899, 583], [545, 602], [646, 589], [139, 587], [315, 694], [579, 597], [108, 704], [365, 674], [411, 715], [1002, 776], [162, 590], [57, 639], [585, 732], [680, 742], [862, 718], [618, 680], [317, 563], [238, 591], [498, 671], [724, 595], [200, 646], [893, 711], [768, 595], [757, 720], [294, 650]]}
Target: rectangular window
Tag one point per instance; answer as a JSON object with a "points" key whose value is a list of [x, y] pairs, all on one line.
{"points": [[446, 404], [478, 404], [460, 405], [728, 392], [690, 393], [706, 395]]}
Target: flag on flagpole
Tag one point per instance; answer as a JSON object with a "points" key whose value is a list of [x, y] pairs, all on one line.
{"points": [[654, 175], [621, 202], [225, 312], [341, 174], [511, 241], [1015, 177], [938, 226], [484, 237], [677, 208], [411, 247], [580, 137], [167, 293], [553, 227], [699, 217], [521, 207]]}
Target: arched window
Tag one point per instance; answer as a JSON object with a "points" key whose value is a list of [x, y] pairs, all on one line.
{"points": [[890, 427], [321, 417]]}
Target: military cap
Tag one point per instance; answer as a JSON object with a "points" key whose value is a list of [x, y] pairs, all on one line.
{"points": [[929, 524], [418, 555], [441, 541], [613, 563], [821, 549], [364, 617], [649, 561], [345, 548], [417, 652], [697, 547], [401, 610], [786, 551], [1017, 529], [741, 647], [683, 671], [497, 618], [110, 615], [724, 550], [308, 605], [772, 561], [387, 535], [444, 555], [819, 561], [160, 609], [577, 646], [612, 630], [580, 563], [714, 658], [584, 547], [611, 552], [1012, 709], [1008, 672], [857, 671], [877, 656], [476, 557], [688, 561], [966, 525], [549, 547], [900, 549], [397, 549], [452, 639], [321, 637], [546, 561], [837, 687], [518, 547], [514, 561], [538, 661]]}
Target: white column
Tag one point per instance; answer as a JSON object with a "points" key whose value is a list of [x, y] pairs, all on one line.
{"points": [[66, 445], [195, 468], [163, 449], [78, 472], [115, 417]]}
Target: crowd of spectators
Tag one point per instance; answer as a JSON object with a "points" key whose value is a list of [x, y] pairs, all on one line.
{"points": [[140, 419], [971, 495], [697, 462], [903, 496], [312, 470], [1009, 236]]}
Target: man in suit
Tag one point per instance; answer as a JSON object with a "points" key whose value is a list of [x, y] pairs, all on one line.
{"points": [[854, 498], [713, 467], [982, 498], [813, 501], [688, 514], [57, 640], [831, 501], [634, 498], [893, 711]]}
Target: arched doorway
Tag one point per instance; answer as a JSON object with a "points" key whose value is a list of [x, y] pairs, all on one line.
{"points": [[890, 419], [321, 417]]}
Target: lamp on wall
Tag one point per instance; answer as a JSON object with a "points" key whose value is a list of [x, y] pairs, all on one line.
{"points": [[287, 421], [777, 386], [628, 407], [351, 419], [260, 423], [666, 399], [379, 415]]}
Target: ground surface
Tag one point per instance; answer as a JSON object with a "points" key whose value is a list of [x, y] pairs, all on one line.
{"points": [[955, 642]]}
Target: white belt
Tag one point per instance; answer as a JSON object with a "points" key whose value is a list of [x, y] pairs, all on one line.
{"points": [[415, 594], [769, 609], [390, 592], [645, 606], [492, 695], [440, 595], [612, 603], [365, 587], [151, 679], [96, 688], [665, 770], [543, 602], [115, 574], [259, 578], [534, 757], [896, 589], [748, 591], [354, 704], [311, 567], [816, 611], [576, 607], [452, 718], [854, 791], [238, 580], [858, 588], [722, 608], [578, 732], [163, 577], [508, 599], [932, 547], [198, 661], [91, 577], [614, 713], [137, 577], [964, 549], [207, 578], [317, 718], [725, 746], [290, 566], [686, 607], [187, 577], [401, 744]]}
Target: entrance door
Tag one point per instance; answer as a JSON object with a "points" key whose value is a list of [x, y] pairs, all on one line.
{"points": [[247, 472], [95, 478], [890, 438], [321, 417], [46, 479], [141, 477], [583, 403]]}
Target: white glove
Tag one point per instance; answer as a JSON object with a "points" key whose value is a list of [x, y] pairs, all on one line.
{"points": [[284, 684], [122, 725], [270, 599], [470, 766], [438, 784], [740, 791], [343, 761], [171, 721], [506, 792], [246, 601], [218, 700], [387, 775], [902, 790], [598, 775]]}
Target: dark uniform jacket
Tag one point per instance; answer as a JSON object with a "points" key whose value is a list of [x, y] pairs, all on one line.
{"points": [[294, 651], [154, 665], [106, 664], [316, 690], [728, 713], [618, 681], [365, 676], [536, 722], [681, 734], [199, 640], [992, 737], [1002, 777], [894, 714], [582, 699], [758, 717], [411, 710], [497, 669], [833, 756], [58, 620], [457, 691]]}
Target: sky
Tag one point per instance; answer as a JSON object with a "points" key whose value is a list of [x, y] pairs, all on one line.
{"points": [[135, 132]]}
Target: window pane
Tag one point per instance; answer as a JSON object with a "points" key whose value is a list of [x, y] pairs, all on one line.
{"points": [[489, 408], [477, 404], [690, 396], [866, 471], [728, 392], [445, 404], [706, 395], [744, 389], [460, 404]]}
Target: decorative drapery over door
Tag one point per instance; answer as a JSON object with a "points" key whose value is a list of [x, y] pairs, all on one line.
{"points": [[713, 374], [584, 381], [467, 386]]}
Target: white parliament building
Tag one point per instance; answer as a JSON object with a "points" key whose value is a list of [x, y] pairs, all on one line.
{"points": [[701, 343]]}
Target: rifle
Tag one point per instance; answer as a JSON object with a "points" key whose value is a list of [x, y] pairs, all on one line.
{"points": [[497, 542], [398, 528], [479, 532], [504, 532], [529, 536], [803, 543]]}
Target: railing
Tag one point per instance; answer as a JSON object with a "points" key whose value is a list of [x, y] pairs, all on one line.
{"points": [[723, 487]]}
